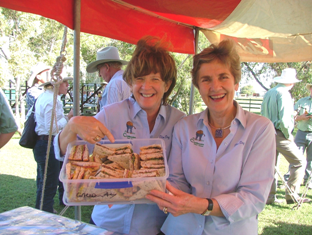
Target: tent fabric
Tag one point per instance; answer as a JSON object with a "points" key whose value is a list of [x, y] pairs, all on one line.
{"points": [[265, 31]]}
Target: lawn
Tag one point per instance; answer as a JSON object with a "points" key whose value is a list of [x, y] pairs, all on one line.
{"points": [[18, 188]]}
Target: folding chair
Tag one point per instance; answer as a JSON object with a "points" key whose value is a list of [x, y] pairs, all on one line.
{"points": [[293, 195], [304, 194]]}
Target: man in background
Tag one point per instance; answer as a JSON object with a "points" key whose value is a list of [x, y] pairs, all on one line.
{"points": [[303, 137], [108, 64], [277, 105]]}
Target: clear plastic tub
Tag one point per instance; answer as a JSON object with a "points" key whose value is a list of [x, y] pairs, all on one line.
{"points": [[107, 190]]}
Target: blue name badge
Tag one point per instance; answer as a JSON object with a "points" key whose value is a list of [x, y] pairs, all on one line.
{"points": [[113, 185]]}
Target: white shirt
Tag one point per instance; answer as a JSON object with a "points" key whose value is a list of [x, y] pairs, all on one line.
{"points": [[116, 90], [43, 113], [238, 174]]}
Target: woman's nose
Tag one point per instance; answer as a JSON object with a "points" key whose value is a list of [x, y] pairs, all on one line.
{"points": [[215, 84], [146, 84]]}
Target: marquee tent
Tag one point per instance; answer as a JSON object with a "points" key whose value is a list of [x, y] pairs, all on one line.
{"points": [[264, 30]]}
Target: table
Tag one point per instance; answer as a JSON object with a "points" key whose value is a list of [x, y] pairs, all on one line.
{"points": [[27, 220]]}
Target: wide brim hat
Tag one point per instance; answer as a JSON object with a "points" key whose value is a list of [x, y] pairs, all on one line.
{"points": [[38, 68], [105, 55], [308, 86], [288, 77], [51, 83]]}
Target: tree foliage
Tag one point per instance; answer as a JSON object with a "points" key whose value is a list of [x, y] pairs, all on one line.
{"points": [[248, 90]]}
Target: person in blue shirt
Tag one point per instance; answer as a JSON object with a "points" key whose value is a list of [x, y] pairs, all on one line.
{"points": [[151, 75], [221, 164]]}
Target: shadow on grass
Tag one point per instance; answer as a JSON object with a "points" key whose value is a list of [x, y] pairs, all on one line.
{"points": [[287, 228]]}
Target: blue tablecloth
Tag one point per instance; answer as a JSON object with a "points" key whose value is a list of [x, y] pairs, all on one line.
{"points": [[27, 220]]}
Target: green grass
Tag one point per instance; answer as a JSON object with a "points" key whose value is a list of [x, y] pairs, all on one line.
{"points": [[18, 188]]}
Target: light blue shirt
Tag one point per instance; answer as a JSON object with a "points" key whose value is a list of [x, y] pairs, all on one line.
{"points": [[116, 90], [238, 174], [130, 218]]}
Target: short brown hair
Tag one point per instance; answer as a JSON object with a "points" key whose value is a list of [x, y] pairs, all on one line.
{"points": [[225, 52], [151, 56]]}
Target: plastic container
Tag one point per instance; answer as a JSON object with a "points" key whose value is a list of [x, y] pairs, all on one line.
{"points": [[107, 191]]}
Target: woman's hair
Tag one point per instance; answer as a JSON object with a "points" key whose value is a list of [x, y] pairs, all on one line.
{"points": [[151, 56], [225, 52]]}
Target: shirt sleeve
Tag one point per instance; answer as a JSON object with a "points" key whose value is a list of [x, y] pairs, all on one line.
{"points": [[7, 121], [250, 195]]}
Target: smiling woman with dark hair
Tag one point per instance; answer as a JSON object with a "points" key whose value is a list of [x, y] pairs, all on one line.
{"points": [[151, 75], [221, 163]]}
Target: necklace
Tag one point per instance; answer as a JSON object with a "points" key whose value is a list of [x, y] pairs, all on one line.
{"points": [[219, 131]]}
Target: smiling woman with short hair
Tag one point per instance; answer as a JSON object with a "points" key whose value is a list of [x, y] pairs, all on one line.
{"points": [[221, 164]]}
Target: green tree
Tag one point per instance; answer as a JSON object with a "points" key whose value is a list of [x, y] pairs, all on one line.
{"points": [[248, 90]]}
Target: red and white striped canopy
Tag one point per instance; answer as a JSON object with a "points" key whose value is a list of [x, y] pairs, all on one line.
{"points": [[265, 30]]}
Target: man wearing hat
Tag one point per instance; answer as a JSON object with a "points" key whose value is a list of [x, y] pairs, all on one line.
{"points": [[109, 66], [37, 77], [303, 137], [277, 105]]}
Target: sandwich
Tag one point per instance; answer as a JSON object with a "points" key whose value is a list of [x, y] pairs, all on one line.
{"points": [[79, 153], [134, 162], [122, 160], [153, 164], [151, 156], [103, 150], [153, 148]]}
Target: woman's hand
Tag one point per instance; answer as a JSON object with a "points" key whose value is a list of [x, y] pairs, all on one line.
{"points": [[87, 128], [177, 202]]}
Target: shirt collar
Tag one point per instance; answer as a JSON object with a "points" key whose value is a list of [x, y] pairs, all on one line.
{"points": [[240, 116], [135, 109]]}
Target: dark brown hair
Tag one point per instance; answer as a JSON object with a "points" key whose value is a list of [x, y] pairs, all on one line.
{"points": [[225, 52], [151, 56]]}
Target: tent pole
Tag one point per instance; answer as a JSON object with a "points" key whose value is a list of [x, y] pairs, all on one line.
{"points": [[192, 86], [77, 74]]}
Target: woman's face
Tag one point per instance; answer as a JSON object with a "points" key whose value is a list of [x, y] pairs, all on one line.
{"points": [[148, 91], [63, 88], [216, 87]]}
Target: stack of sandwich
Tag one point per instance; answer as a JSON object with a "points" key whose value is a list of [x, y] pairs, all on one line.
{"points": [[107, 162], [121, 162]]}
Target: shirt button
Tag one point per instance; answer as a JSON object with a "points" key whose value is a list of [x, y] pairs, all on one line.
{"points": [[208, 182], [225, 143], [200, 226]]}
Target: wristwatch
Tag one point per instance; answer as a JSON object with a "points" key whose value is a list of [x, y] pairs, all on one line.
{"points": [[209, 209]]}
